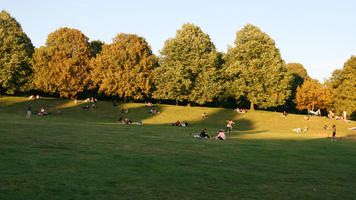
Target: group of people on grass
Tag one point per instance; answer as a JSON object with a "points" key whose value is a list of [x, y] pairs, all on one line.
{"points": [[221, 134]]}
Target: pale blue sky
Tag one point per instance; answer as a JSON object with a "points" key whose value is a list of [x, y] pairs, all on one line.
{"points": [[321, 35]]}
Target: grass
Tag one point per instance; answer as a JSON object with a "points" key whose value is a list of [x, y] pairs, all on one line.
{"points": [[85, 154]]}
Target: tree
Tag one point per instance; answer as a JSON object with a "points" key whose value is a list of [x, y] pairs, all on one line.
{"points": [[343, 87], [188, 66], [125, 67], [255, 70], [16, 51], [299, 74], [96, 46], [62, 66], [312, 95]]}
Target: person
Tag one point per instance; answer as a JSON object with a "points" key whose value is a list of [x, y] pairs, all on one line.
{"points": [[139, 122], [229, 125], [93, 106], [177, 123], [128, 121], [331, 114], [204, 115], [284, 114], [221, 135], [203, 134], [306, 118], [125, 111], [345, 115], [29, 111], [120, 120], [43, 112], [334, 133]]}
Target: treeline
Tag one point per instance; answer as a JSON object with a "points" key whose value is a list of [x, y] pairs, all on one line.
{"points": [[189, 70]]}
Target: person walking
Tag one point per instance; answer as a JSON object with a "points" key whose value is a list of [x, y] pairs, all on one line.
{"points": [[229, 125], [334, 133], [29, 111]]}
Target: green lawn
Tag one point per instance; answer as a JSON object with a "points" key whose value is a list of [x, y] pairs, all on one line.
{"points": [[85, 154]]}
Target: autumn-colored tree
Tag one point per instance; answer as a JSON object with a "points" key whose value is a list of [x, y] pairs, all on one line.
{"points": [[312, 95], [343, 87], [188, 66], [124, 67], [255, 70], [16, 51], [62, 66]]}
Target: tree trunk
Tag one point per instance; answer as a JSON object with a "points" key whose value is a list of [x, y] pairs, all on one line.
{"points": [[252, 106], [176, 102], [125, 99]]}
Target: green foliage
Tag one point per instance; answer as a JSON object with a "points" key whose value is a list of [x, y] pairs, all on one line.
{"points": [[299, 74], [62, 66], [96, 46], [189, 64], [16, 51], [125, 67], [343, 86], [312, 95], [254, 69]]}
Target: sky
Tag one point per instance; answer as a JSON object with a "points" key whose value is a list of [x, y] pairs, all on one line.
{"points": [[321, 35]]}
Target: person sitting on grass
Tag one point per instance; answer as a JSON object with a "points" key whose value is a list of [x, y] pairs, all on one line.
{"points": [[125, 111], [221, 135], [203, 134], [284, 114], [127, 121], [43, 112], [204, 115], [139, 122]]}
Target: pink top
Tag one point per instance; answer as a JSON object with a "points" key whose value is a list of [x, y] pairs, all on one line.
{"points": [[222, 135]]}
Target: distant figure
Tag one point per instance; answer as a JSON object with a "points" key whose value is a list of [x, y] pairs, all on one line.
{"points": [[334, 133], [204, 115], [120, 120], [86, 107], [93, 106], [229, 125], [125, 111], [37, 97], [43, 112], [203, 134], [221, 135], [345, 115], [31, 97], [331, 114], [127, 121], [139, 122], [149, 104], [284, 114], [76, 101], [29, 111], [306, 118]]}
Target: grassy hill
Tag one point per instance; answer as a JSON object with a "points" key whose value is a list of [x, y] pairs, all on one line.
{"points": [[87, 154]]}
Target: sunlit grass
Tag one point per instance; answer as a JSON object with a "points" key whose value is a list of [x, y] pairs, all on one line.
{"points": [[87, 154]]}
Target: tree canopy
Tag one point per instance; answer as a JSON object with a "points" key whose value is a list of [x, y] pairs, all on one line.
{"points": [[16, 51], [124, 68], [62, 66], [312, 95], [343, 86], [187, 67], [255, 70]]}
